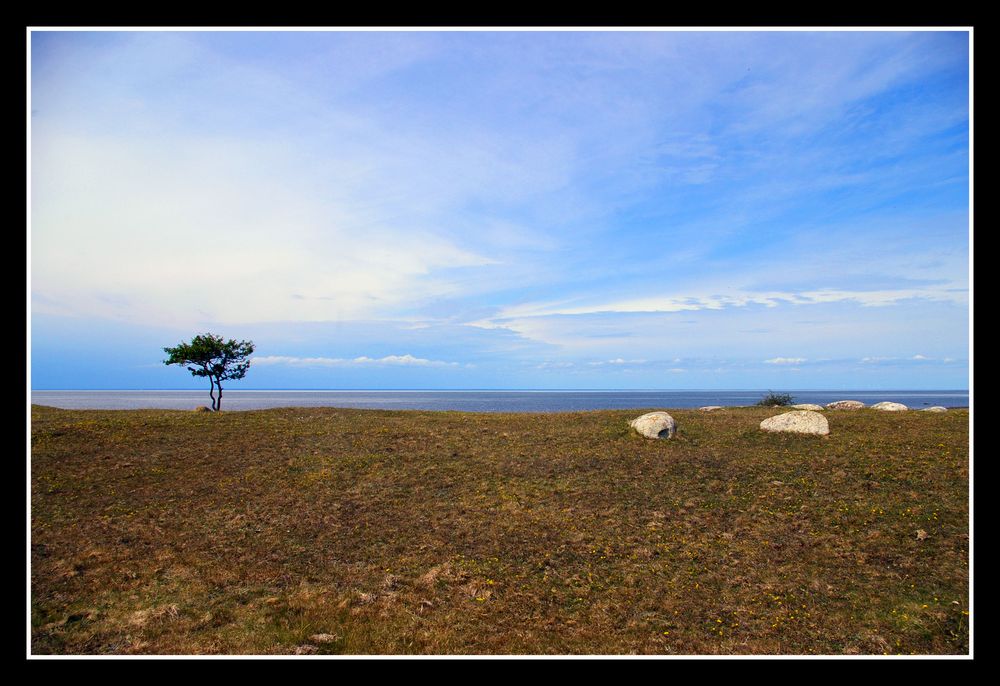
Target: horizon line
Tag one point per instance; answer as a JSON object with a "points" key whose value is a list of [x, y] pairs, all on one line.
{"points": [[490, 390]]}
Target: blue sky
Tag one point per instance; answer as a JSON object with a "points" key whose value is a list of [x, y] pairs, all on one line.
{"points": [[519, 209]]}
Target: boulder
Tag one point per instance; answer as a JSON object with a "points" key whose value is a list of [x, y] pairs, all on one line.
{"points": [[655, 425], [798, 422], [935, 408], [807, 406], [202, 408], [845, 405], [709, 408], [890, 407]]}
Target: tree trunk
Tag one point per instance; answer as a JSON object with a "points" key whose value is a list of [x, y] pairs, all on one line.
{"points": [[219, 383], [211, 393]]}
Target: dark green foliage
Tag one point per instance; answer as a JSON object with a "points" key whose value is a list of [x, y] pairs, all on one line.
{"points": [[773, 399], [209, 355]]}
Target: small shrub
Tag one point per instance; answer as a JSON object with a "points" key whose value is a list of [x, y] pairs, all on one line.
{"points": [[773, 399]]}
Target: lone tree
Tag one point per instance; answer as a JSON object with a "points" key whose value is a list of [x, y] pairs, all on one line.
{"points": [[208, 355]]}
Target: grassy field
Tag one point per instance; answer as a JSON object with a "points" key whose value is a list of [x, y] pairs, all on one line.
{"points": [[377, 532]]}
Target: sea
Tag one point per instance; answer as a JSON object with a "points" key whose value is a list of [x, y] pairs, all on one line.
{"points": [[475, 401]]}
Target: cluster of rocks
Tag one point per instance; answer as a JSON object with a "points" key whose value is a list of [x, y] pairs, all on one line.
{"points": [[803, 419]]}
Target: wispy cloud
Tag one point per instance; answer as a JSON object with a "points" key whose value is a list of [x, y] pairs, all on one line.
{"points": [[680, 303], [403, 360], [617, 361], [555, 365], [904, 360], [786, 360]]}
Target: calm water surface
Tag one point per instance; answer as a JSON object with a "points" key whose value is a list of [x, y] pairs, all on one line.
{"points": [[473, 401]]}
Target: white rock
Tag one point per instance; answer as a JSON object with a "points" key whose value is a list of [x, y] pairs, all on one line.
{"points": [[935, 408], [655, 425], [808, 406], [845, 405], [799, 422], [709, 408], [890, 407]]}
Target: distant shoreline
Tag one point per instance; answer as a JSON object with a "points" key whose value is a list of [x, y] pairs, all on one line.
{"points": [[502, 390], [477, 401]]}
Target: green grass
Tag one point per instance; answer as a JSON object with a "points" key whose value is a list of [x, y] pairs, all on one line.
{"points": [[393, 532]]}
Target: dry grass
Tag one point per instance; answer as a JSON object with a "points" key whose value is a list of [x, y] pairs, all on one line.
{"points": [[318, 531]]}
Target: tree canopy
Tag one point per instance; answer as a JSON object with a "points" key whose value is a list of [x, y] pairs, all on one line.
{"points": [[209, 355]]}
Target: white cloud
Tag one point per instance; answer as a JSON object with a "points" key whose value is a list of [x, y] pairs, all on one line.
{"points": [[786, 360], [694, 302], [616, 361], [555, 365], [915, 358], [404, 360], [189, 231], [588, 326]]}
